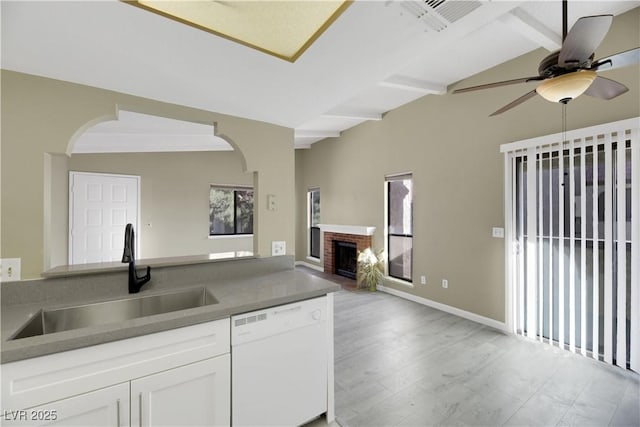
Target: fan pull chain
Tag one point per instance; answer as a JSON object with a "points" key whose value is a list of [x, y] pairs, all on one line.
{"points": [[564, 123]]}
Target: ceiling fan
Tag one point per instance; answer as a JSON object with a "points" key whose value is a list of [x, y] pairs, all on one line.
{"points": [[572, 71]]}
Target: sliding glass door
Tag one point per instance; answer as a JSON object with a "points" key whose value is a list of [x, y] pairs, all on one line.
{"points": [[573, 232]]}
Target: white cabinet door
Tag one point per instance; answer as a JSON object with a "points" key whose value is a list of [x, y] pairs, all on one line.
{"points": [[107, 407], [193, 395]]}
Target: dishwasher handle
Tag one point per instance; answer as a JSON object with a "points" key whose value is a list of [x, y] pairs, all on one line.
{"points": [[276, 320], [287, 310]]}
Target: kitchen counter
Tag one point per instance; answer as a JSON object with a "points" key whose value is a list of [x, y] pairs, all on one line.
{"points": [[105, 267], [239, 286]]}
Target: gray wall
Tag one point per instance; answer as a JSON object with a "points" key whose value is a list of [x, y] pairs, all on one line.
{"points": [[451, 146]]}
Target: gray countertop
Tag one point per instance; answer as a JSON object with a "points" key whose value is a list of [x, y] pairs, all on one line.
{"points": [[234, 295], [105, 267]]}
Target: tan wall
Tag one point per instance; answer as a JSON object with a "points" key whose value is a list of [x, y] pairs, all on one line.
{"points": [[42, 115], [451, 146], [56, 210], [174, 189]]}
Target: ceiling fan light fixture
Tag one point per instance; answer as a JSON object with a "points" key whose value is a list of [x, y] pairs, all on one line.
{"points": [[566, 87]]}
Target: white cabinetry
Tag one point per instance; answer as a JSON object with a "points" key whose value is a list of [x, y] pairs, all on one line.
{"points": [[192, 395], [177, 377], [107, 407]]}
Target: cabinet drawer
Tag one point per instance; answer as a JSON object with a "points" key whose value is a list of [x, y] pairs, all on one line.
{"points": [[36, 381]]}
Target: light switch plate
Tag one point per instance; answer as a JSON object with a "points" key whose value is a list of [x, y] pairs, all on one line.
{"points": [[498, 232], [271, 202], [278, 248], [10, 269]]}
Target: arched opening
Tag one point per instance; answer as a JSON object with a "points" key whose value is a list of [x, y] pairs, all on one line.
{"points": [[177, 162]]}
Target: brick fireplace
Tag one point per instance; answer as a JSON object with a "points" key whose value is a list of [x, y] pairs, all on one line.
{"points": [[359, 235]]}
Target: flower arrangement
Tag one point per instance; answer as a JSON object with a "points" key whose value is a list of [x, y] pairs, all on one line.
{"points": [[370, 268]]}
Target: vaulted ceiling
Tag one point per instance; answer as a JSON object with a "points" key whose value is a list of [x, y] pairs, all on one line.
{"points": [[376, 56]]}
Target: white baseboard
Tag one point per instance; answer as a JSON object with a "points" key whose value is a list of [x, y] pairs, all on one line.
{"points": [[446, 308], [309, 265]]}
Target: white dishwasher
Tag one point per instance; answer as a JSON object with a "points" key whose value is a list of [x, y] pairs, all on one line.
{"points": [[279, 364]]}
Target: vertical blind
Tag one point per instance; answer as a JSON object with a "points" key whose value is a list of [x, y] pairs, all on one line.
{"points": [[573, 240]]}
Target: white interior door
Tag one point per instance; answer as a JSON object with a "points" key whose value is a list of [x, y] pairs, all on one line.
{"points": [[101, 205]]}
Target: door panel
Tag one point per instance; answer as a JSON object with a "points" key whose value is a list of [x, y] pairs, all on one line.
{"points": [[101, 205], [159, 399], [105, 407]]}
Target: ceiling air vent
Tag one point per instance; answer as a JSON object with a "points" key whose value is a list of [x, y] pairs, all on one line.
{"points": [[454, 10], [437, 14], [434, 3]]}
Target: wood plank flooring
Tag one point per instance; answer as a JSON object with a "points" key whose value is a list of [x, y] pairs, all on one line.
{"points": [[399, 363]]}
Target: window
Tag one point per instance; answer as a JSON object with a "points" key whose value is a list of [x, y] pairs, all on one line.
{"points": [[314, 220], [400, 226], [230, 210]]}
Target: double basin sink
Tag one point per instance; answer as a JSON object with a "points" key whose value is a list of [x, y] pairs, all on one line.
{"points": [[48, 321]]}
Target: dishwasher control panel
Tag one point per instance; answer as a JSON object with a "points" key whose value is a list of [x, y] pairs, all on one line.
{"points": [[274, 320]]}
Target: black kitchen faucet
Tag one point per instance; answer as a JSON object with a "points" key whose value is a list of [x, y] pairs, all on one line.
{"points": [[128, 256]]}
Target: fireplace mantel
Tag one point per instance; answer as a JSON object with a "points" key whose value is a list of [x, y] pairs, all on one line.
{"points": [[359, 230]]}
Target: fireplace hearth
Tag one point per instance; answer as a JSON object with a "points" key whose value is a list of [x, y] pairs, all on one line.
{"points": [[345, 258]]}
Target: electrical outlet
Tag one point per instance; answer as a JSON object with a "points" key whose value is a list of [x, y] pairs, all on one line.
{"points": [[445, 283], [278, 248], [10, 269], [423, 280], [497, 232]]}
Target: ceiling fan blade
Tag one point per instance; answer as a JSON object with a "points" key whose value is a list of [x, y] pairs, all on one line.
{"points": [[498, 84], [515, 103], [605, 88], [619, 60], [583, 39]]}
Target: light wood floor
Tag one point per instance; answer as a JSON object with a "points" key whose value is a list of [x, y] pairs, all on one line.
{"points": [[399, 363]]}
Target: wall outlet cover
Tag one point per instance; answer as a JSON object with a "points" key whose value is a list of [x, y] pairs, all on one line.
{"points": [[10, 269], [497, 232], [278, 248], [271, 202], [423, 280], [445, 283]]}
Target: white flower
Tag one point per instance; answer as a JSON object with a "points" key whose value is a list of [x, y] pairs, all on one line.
{"points": [[367, 257]]}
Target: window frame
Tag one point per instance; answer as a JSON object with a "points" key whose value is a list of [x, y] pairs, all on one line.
{"points": [[310, 226], [388, 180], [235, 189]]}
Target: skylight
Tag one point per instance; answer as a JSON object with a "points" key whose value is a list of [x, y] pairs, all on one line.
{"points": [[284, 29]]}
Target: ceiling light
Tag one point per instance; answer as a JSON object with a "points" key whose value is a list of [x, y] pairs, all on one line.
{"points": [[566, 87]]}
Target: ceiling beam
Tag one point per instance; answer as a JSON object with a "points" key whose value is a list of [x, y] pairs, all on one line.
{"points": [[354, 115], [415, 85], [529, 27], [310, 133]]}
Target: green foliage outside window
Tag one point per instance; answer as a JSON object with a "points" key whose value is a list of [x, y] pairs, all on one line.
{"points": [[230, 211]]}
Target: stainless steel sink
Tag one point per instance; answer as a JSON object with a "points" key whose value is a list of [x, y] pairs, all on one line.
{"points": [[64, 319]]}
